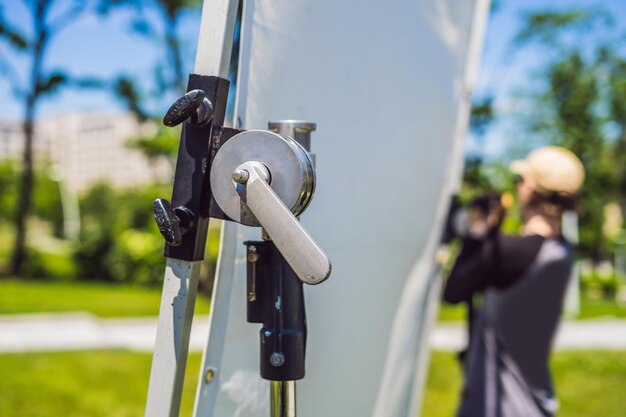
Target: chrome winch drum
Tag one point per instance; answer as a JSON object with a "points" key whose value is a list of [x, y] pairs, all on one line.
{"points": [[292, 175]]}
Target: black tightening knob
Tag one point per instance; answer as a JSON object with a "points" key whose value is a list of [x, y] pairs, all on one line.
{"points": [[172, 223], [192, 105], [167, 222]]}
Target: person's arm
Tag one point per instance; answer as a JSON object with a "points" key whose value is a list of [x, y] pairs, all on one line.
{"points": [[475, 268], [497, 261]]}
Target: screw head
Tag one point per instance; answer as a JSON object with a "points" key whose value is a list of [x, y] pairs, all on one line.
{"points": [[209, 375], [277, 359], [241, 176]]}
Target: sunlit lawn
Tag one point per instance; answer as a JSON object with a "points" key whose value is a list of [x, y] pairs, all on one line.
{"points": [[115, 383], [589, 383], [81, 384], [104, 300], [589, 309], [119, 300]]}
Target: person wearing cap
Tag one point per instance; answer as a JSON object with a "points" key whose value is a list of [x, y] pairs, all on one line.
{"points": [[522, 280]]}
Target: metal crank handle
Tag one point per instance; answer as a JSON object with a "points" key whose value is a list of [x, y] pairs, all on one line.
{"points": [[302, 254]]}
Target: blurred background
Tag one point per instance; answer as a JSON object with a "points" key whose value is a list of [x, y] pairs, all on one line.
{"points": [[83, 86]]}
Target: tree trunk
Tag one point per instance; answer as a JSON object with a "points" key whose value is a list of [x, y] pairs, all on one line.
{"points": [[26, 184], [174, 54], [25, 197]]}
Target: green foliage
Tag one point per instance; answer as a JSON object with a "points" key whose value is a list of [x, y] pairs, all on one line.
{"points": [[126, 90], [482, 115], [550, 26], [475, 180], [169, 73], [11, 35], [119, 241], [46, 199], [137, 256], [164, 143], [580, 104], [51, 83], [54, 266], [603, 286], [8, 190]]}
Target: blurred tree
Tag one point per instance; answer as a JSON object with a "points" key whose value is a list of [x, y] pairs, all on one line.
{"points": [[163, 30], [47, 200], [8, 189], [119, 241], [482, 115], [163, 144], [170, 73], [578, 102], [617, 113], [170, 77], [475, 180], [34, 41]]}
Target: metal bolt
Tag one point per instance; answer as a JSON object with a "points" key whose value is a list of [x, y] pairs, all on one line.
{"points": [[252, 255], [241, 176], [209, 375], [277, 359]]}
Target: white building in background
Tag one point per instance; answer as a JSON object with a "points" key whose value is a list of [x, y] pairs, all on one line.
{"points": [[88, 148]]}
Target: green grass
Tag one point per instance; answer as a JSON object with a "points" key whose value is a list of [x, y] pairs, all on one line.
{"points": [[449, 312], [589, 309], [588, 383], [103, 300], [114, 383], [82, 384]]}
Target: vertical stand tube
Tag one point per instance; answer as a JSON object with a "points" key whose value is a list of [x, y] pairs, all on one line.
{"points": [[282, 398], [276, 299], [172, 340]]}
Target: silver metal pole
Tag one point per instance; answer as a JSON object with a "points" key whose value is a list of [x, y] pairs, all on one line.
{"points": [[282, 398]]}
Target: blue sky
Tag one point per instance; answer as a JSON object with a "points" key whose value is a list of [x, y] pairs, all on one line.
{"points": [[504, 71], [103, 47], [93, 46]]}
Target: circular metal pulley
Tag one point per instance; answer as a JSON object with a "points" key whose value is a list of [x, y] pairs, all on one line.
{"points": [[291, 172]]}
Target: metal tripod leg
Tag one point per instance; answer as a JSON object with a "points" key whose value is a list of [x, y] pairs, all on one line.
{"points": [[172, 340], [181, 277]]}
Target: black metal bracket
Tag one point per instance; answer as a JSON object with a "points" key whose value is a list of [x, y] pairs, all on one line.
{"points": [[275, 298], [192, 187]]}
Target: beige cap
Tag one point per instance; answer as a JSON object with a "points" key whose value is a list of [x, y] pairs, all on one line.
{"points": [[551, 169]]}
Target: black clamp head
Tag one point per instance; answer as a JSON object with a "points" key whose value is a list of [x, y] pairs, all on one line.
{"points": [[172, 223], [194, 106]]}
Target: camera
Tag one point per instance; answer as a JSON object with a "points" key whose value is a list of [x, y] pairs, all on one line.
{"points": [[488, 209]]}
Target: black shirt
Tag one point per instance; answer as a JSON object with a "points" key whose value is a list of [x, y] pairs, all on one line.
{"points": [[497, 261]]}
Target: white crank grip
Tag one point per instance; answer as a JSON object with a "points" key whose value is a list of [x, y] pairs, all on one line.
{"points": [[303, 255]]}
